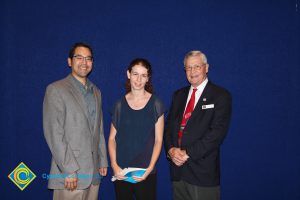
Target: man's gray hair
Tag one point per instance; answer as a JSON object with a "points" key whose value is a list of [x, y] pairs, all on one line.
{"points": [[195, 53]]}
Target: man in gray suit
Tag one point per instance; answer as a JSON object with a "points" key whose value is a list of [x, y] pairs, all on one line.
{"points": [[73, 128]]}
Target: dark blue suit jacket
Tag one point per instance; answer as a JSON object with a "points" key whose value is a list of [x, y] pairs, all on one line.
{"points": [[202, 135]]}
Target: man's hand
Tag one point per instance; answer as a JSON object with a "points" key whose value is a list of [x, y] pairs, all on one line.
{"points": [[178, 156], [71, 182], [103, 171]]}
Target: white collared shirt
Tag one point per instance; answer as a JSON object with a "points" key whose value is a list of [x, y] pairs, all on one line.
{"points": [[198, 93]]}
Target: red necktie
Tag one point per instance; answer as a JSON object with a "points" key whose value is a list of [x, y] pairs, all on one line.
{"points": [[187, 114]]}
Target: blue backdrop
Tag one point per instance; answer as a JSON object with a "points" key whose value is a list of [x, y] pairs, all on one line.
{"points": [[252, 48]]}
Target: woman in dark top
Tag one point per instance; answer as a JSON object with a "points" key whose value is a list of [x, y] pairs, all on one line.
{"points": [[136, 133]]}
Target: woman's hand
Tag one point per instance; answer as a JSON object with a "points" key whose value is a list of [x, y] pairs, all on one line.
{"points": [[118, 172], [144, 177]]}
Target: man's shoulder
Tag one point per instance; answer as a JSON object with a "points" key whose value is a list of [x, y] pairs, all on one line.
{"points": [[182, 90], [58, 84], [216, 89]]}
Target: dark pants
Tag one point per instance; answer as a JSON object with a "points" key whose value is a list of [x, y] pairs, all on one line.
{"points": [[145, 190], [185, 191]]}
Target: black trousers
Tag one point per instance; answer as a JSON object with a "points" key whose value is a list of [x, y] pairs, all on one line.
{"points": [[185, 191], [145, 190]]}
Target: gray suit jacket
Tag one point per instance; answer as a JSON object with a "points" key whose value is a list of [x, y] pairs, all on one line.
{"points": [[75, 147]]}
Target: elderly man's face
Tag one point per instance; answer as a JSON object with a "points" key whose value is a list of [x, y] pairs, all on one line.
{"points": [[195, 70]]}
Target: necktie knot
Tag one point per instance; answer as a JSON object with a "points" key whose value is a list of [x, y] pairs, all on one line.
{"points": [[195, 90]]}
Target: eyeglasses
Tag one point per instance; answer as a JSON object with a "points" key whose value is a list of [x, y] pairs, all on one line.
{"points": [[81, 58], [195, 67]]}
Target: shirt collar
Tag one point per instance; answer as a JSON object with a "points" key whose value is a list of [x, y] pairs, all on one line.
{"points": [[78, 84], [201, 86]]}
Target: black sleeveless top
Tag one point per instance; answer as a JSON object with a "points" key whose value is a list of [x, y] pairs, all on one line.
{"points": [[135, 131]]}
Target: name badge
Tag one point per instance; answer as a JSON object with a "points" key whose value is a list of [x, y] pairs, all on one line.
{"points": [[209, 106]]}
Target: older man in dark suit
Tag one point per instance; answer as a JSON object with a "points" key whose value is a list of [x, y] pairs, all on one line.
{"points": [[197, 123]]}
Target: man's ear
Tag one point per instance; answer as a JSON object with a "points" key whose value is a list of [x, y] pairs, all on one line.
{"points": [[69, 62], [207, 66]]}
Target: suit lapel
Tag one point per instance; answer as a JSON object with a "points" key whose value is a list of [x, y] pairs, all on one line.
{"points": [[202, 100], [78, 99], [181, 105], [97, 99]]}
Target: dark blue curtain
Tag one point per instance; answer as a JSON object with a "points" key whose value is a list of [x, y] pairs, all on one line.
{"points": [[252, 48]]}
